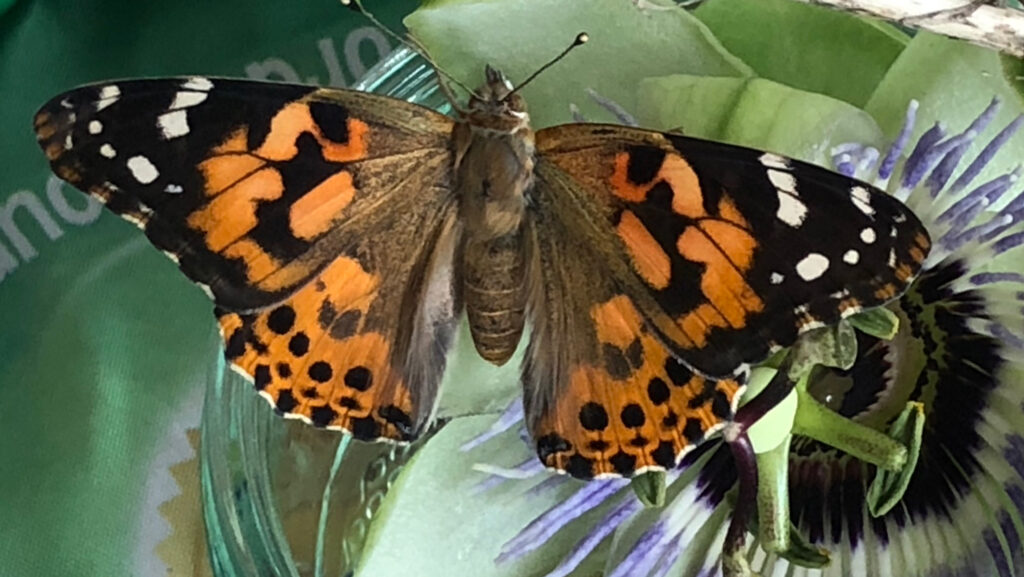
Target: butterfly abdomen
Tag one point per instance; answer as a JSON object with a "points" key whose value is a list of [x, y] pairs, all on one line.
{"points": [[495, 294]]}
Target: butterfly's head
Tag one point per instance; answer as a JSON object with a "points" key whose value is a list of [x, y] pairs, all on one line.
{"points": [[498, 102]]}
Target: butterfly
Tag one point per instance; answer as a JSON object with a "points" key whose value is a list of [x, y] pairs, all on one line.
{"points": [[341, 235]]}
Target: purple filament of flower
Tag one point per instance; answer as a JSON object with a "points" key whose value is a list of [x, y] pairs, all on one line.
{"points": [[960, 217], [669, 558], [984, 278], [956, 239], [900, 144], [919, 166], [544, 527], [1008, 242], [983, 195], [986, 154], [602, 529], [509, 418], [851, 158], [1002, 333], [548, 484], [996, 227], [645, 551], [620, 113], [845, 166], [1016, 205], [940, 176]]}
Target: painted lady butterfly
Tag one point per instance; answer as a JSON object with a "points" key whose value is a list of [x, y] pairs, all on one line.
{"points": [[342, 234]]}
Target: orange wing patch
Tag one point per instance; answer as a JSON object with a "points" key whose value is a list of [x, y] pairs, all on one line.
{"points": [[635, 409], [312, 356], [241, 181]]}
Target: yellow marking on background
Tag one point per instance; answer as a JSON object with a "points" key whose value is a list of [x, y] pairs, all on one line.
{"points": [[649, 258], [313, 214]]}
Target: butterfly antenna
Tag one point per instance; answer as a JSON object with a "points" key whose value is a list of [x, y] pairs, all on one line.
{"points": [[413, 45], [580, 40]]}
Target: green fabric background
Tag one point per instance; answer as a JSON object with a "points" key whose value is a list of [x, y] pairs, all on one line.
{"points": [[104, 347]]}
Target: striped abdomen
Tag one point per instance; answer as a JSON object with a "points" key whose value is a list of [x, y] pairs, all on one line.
{"points": [[495, 294]]}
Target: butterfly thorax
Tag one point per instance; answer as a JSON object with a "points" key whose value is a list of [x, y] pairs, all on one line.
{"points": [[494, 172]]}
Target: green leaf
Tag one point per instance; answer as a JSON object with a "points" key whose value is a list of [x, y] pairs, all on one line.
{"points": [[754, 112], [1013, 72], [626, 45], [806, 47], [953, 81], [433, 522]]}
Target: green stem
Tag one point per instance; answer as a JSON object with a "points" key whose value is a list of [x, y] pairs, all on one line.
{"points": [[818, 422]]}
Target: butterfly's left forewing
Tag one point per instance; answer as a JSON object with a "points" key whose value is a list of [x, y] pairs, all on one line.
{"points": [[321, 222]]}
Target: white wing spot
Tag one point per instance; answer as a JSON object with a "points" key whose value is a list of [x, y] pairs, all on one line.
{"points": [[862, 199], [776, 278], [197, 83], [95, 127], [174, 189], [108, 95], [867, 236], [791, 210], [851, 257], [782, 180], [138, 220], [892, 258], [206, 289], [142, 169], [812, 266], [176, 260], [185, 99], [108, 151], [68, 143], [774, 161], [173, 124]]}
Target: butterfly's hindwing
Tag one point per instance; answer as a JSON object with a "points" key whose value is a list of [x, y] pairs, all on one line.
{"points": [[603, 395]]}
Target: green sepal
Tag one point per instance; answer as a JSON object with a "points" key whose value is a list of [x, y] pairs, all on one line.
{"points": [[649, 487], [878, 322], [889, 486]]}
